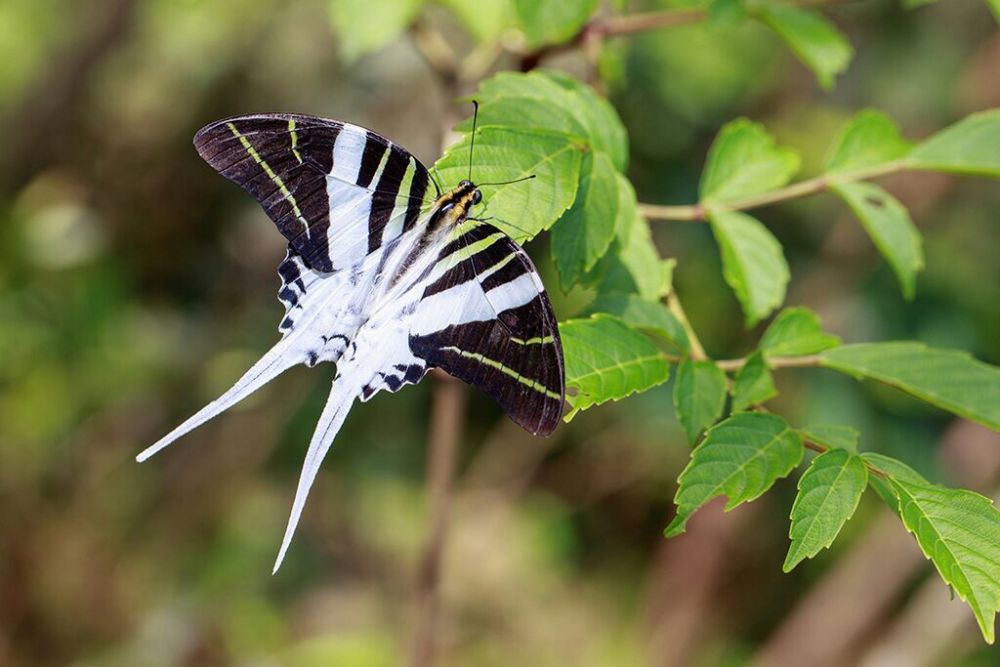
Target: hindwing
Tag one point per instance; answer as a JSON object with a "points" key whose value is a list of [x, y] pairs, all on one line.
{"points": [[487, 320]]}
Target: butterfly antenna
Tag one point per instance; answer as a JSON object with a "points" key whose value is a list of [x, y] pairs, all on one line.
{"points": [[516, 180], [472, 144], [434, 180]]}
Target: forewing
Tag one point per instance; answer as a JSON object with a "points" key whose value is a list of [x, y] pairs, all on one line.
{"points": [[488, 321], [336, 191]]}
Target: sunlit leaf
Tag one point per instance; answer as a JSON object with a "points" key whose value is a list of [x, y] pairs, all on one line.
{"points": [[740, 458], [605, 130], [699, 395], [753, 384], [970, 146], [504, 154], [744, 160], [795, 332], [869, 138], [888, 224], [817, 42], [752, 263], [608, 360], [829, 492], [949, 379]]}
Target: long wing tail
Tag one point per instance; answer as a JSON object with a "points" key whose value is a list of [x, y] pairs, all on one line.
{"points": [[342, 396], [271, 365]]}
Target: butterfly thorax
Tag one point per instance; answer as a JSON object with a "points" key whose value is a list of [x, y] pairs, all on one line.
{"points": [[453, 207]]}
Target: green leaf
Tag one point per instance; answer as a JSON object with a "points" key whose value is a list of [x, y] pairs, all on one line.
{"points": [[959, 531], [699, 396], [892, 468], [795, 332], [585, 232], [534, 99], [817, 42], [605, 129], [744, 160], [829, 492], [552, 22], [753, 384], [548, 100], [650, 316], [485, 19], [635, 265], [870, 138], [627, 209], [752, 263], [740, 458], [888, 224], [970, 146], [504, 154], [836, 436], [364, 26], [606, 360], [995, 7], [949, 379], [726, 12]]}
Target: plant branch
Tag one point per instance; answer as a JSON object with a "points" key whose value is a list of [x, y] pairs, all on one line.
{"points": [[774, 363], [598, 29], [436, 51], [699, 212], [445, 430]]}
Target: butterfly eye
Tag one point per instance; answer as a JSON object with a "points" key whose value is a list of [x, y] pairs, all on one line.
{"points": [[464, 183], [477, 197]]}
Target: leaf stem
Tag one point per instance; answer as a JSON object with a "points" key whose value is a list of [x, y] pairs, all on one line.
{"points": [[699, 212], [675, 307]]}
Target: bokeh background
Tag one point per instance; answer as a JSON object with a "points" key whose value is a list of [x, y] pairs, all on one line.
{"points": [[136, 284]]}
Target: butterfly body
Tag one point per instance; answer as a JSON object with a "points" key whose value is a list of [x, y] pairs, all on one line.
{"points": [[383, 279]]}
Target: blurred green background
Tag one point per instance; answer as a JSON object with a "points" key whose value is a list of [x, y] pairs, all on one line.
{"points": [[136, 284]]}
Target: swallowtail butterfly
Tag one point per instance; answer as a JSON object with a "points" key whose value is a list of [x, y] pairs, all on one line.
{"points": [[383, 277]]}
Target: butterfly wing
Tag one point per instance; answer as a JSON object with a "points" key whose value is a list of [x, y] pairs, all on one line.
{"points": [[336, 191], [488, 321]]}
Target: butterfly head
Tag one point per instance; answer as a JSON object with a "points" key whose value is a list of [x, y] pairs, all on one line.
{"points": [[466, 186]]}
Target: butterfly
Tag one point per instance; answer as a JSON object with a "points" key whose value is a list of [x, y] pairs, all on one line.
{"points": [[383, 277]]}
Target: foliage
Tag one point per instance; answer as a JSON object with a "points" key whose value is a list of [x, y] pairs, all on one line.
{"points": [[829, 492], [608, 357], [740, 458], [606, 360], [121, 258]]}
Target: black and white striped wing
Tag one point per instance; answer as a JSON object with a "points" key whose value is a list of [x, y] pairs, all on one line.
{"points": [[336, 191], [487, 320]]}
